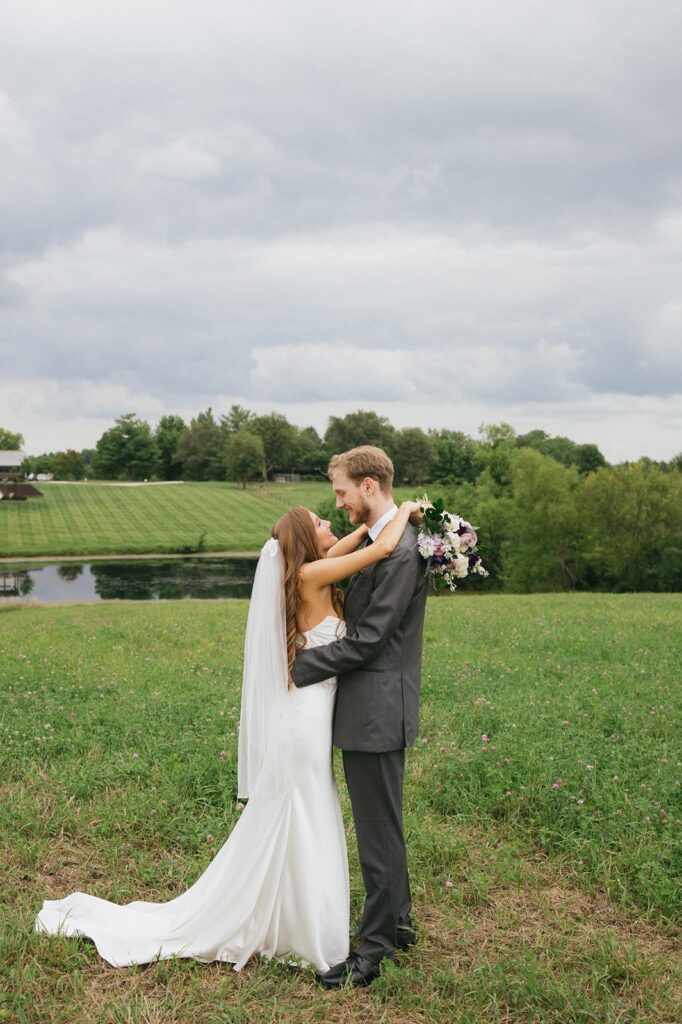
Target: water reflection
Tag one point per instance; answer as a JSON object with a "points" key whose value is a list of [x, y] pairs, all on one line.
{"points": [[16, 584], [69, 572], [138, 580]]}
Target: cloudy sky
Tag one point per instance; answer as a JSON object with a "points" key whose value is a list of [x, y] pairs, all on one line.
{"points": [[452, 213]]}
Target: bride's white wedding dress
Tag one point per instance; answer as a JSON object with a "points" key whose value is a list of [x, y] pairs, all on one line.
{"points": [[279, 884]]}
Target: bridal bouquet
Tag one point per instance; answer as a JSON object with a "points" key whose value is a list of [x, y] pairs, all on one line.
{"points": [[447, 543]]}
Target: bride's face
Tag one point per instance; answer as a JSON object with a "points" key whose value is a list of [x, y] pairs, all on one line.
{"points": [[325, 537]]}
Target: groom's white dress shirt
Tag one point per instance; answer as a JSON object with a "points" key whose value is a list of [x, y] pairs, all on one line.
{"points": [[375, 530]]}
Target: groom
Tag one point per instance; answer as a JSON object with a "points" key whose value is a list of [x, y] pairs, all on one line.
{"points": [[378, 665]]}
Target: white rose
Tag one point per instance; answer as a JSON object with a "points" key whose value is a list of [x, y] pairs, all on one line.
{"points": [[454, 541], [460, 566]]}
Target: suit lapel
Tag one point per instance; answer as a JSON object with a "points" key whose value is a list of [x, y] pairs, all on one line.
{"points": [[356, 575]]}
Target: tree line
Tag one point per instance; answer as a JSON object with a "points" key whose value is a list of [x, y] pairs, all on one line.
{"points": [[551, 514], [243, 446]]}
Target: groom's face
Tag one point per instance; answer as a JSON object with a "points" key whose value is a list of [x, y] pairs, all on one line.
{"points": [[355, 498]]}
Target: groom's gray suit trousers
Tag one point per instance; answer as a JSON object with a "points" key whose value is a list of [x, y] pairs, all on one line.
{"points": [[375, 785]]}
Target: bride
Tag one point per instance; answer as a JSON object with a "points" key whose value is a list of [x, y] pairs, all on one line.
{"points": [[279, 884]]}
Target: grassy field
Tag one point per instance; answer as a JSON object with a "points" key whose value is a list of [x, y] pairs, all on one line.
{"points": [[97, 519], [543, 812]]}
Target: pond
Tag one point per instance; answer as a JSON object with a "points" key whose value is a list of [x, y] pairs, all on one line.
{"points": [[144, 579]]}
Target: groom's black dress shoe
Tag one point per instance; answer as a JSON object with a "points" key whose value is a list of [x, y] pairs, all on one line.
{"points": [[358, 971], [405, 937]]}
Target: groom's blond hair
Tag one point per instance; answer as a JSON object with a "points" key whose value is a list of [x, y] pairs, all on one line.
{"points": [[365, 460]]}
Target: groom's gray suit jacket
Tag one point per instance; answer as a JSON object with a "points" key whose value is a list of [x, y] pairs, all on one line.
{"points": [[378, 662]]}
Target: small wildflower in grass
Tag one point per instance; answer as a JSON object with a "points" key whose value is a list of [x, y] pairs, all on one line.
{"points": [[449, 885]]}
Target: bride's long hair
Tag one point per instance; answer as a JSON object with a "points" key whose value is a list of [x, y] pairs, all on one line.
{"points": [[298, 544]]}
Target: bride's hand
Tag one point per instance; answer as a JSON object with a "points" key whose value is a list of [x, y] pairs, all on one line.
{"points": [[414, 508]]}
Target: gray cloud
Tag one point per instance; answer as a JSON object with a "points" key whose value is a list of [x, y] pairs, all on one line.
{"points": [[301, 203]]}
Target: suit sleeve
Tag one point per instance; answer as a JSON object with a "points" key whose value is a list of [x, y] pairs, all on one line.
{"points": [[397, 578]]}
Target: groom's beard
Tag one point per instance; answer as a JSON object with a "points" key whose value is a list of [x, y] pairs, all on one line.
{"points": [[361, 512]]}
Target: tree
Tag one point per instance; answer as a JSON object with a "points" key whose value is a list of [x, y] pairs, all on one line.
{"points": [[414, 455], [244, 457], [361, 427], [633, 518], [10, 442], [544, 546], [126, 452], [68, 465], [279, 441], [309, 455], [236, 419], [496, 449], [34, 464], [456, 456], [201, 449], [167, 434], [586, 457]]}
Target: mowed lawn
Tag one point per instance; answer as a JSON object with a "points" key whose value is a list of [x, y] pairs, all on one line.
{"points": [[543, 811], [96, 518]]}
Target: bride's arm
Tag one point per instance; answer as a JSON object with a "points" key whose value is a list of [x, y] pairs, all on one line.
{"points": [[349, 543], [330, 570]]}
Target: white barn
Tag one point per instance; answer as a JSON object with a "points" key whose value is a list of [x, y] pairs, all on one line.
{"points": [[10, 461]]}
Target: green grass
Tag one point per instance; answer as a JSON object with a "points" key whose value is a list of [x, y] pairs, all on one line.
{"points": [[547, 905], [97, 519]]}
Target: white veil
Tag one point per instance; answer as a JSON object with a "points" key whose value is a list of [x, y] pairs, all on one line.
{"points": [[264, 758]]}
